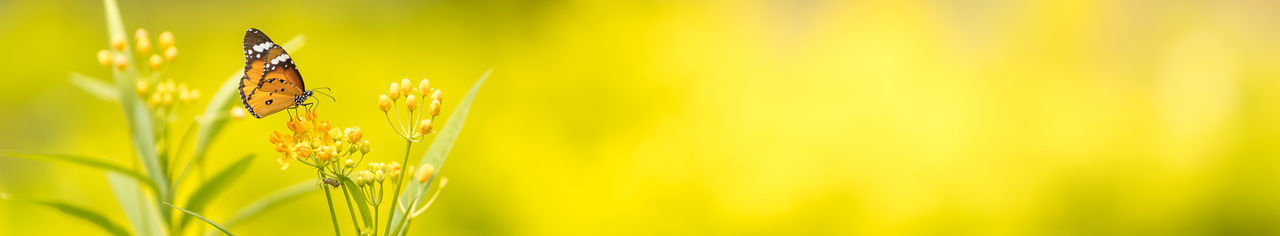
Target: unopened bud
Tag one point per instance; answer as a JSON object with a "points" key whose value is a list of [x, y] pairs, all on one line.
{"points": [[166, 39], [384, 103], [104, 57], [411, 102], [424, 87], [406, 86], [393, 91], [424, 173]]}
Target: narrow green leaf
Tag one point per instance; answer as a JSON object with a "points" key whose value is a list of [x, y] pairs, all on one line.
{"points": [[137, 208], [268, 202], [76, 211], [214, 186], [98, 88], [220, 103], [84, 161], [206, 220], [439, 149], [135, 111], [360, 200]]}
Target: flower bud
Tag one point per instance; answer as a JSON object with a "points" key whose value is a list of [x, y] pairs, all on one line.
{"points": [[424, 87], [411, 102], [118, 43], [393, 170], [142, 87], [394, 91], [424, 126], [140, 33], [171, 54], [143, 46], [324, 153], [354, 134], [237, 112], [406, 86], [379, 176], [384, 103], [121, 61], [437, 95], [360, 181], [166, 39], [366, 174], [364, 147], [104, 57], [434, 108], [424, 173], [349, 163], [156, 61]]}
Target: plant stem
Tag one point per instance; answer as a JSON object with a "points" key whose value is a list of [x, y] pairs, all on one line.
{"points": [[332, 215], [355, 223], [395, 196]]}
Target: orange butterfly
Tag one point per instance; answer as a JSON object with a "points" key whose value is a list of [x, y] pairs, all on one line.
{"points": [[271, 81]]}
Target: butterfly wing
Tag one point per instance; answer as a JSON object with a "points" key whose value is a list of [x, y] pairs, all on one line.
{"points": [[271, 82]]}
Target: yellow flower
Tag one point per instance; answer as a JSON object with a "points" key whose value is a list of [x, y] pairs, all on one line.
{"points": [[434, 109], [384, 103], [121, 61], [393, 170], [354, 134], [144, 43], [424, 173], [104, 57], [393, 91], [364, 147], [437, 95], [237, 112], [349, 163], [118, 42], [171, 54], [424, 126], [424, 87], [156, 61], [166, 39], [366, 174], [406, 86], [411, 102], [142, 87]]}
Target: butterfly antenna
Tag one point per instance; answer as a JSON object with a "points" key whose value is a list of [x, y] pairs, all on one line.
{"points": [[325, 88], [327, 95]]}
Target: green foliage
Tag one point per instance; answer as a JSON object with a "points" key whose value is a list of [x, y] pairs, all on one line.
{"points": [[268, 202], [206, 220], [214, 186], [76, 211]]}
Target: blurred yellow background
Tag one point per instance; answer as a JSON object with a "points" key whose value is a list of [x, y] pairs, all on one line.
{"points": [[718, 117]]}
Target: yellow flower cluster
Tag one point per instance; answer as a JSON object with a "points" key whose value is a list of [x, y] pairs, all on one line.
{"points": [[165, 91], [413, 96], [317, 143], [142, 44]]}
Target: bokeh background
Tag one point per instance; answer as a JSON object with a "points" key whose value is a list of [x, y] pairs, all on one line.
{"points": [[804, 117]]}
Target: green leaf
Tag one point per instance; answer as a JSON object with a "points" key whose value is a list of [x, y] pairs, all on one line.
{"points": [[220, 104], [360, 200], [135, 111], [206, 220], [137, 208], [84, 161], [268, 202], [78, 212], [439, 149], [214, 186], [98, 88]]}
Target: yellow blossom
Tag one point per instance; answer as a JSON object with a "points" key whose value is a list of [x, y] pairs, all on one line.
{"points": [[411, 102], [171, 54], [354, 134], [166, 39], [434, 109], [118, 42], [384, 103], [424, 87], [437, 95], [104, 57], [406, 86], [121, 62], [424, 126], [364, 147], [156, 61], [393, 91], [424, 173]]}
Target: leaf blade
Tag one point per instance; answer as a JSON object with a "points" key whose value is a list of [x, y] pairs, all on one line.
{"points": [[79, 212], [210, 189], [359, 198], [95, 87], [267, 203], [98, 163], [206, 220]]}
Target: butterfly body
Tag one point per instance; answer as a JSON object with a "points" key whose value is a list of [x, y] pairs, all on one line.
{"points": [[271, 82]]}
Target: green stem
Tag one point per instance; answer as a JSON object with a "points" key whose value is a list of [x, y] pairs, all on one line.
{"points": [[355, 223], [332, 215], [395, 197]]}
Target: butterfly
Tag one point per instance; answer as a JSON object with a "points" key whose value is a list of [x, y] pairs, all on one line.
{"points": [[271, 81]]}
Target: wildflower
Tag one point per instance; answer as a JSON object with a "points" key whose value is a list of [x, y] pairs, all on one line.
{"points": [[354, 134], [121, 61], [104, 57], [424, 173], [142, 87], [424, 87], [156, 61], [324, 153], [384, 103], [118, 42], [393, 91], [434, 109], [364, 147], [437, 96], [349, 163], [171, 53], [406, 86], [393, 170], [166, 39], [143, 45], [411, 102], [424, 126], [367, 175], [237, 112], [379, 175]]}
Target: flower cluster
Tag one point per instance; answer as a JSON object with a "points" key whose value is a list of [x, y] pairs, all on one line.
{"points": [[142, 45], [318, 144], [415, 127]]}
